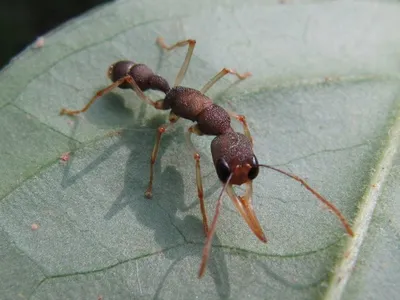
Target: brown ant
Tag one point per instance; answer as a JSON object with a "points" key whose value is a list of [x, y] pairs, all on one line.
{"points": [[232, 152]]}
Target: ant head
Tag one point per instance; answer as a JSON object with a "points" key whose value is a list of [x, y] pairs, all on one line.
{"points": [[140, 73], [233, 154], [236, 163]]}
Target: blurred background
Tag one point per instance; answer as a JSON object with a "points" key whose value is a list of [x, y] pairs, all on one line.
{"points": [[22, 21]]}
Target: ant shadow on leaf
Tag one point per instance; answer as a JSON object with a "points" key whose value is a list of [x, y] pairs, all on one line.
{"points": [[168, 185]]}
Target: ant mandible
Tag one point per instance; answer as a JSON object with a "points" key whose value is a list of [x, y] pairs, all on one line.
{"points": [[232, 152]]}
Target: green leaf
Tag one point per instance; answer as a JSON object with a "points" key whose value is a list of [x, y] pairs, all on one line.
{"points": [[323, 103]]}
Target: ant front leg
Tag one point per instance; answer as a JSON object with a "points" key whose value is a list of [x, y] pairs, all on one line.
{"points": [[126, 79], [160, 130], [242, 119], [221, 74], [185, 65], [194, 129]]}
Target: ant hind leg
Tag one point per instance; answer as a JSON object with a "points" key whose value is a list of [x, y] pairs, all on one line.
{"points": [[185, 65]]}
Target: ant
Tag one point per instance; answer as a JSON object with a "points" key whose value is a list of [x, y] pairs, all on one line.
{"points": [[232, 152]]}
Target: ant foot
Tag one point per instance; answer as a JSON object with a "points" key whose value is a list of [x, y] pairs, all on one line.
{"points": [[148, 194], [68, 112]]}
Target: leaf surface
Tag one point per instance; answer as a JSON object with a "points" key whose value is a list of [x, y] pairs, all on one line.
{"points": [[323, 103]]}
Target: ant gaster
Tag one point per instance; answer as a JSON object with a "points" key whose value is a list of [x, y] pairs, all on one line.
{"points": [[232, 152]]}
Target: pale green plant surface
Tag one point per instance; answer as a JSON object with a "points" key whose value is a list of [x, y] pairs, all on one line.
{"points": [[323, 103]]}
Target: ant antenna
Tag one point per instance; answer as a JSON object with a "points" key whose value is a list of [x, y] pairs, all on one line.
{"points": [[207, 246], [316, 194]]}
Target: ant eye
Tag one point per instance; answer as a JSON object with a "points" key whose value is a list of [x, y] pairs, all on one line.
{"points": [[253, 173], [223, 170], [254, 170]]}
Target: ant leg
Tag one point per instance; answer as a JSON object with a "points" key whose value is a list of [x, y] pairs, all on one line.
{"points": [[194, 129], [160, 130], [185, 65], [128, 79], [221, 74], [242, 119]]}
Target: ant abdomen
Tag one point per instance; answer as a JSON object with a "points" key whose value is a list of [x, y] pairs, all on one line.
{"points": [[119, 70], [142, 74], [156, 82]]}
